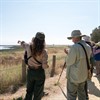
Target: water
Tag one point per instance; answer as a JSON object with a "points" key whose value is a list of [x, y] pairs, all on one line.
{"points": [[3, 47]]}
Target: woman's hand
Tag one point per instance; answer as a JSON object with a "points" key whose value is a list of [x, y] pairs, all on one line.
{"points": [[19, 41]]}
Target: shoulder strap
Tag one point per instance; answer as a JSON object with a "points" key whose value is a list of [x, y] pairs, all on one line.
{"points": [[37, 60], [31, 50], [88, 67], [34, 57]]}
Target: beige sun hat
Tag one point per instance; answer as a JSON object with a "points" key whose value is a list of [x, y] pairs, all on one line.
{"points": [[86, 38], [75, 33]]}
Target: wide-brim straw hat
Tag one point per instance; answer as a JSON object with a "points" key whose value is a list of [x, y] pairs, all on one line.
{"points": [[75, 33]]}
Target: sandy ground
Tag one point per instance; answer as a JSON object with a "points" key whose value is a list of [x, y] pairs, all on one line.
{"points": [[55, 92]]}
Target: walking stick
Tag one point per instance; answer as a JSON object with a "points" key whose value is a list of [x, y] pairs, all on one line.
{"points": [[61, 73]]}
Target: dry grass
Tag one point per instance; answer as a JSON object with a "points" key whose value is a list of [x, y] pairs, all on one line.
{"points": [[11, 62]]}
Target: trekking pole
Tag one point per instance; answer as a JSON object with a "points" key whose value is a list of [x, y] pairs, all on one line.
{"points": [[61, 73]]}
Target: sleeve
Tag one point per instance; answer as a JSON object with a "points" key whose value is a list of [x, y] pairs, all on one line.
{"points": [[45, 59], [71, 56], [70, 60]]}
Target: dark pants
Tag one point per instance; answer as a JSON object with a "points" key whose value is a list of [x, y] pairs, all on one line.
{"points": [[86, 90], [35, 84]]}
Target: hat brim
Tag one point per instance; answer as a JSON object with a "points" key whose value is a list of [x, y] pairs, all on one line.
{"points": [[97, 44], [75, 36]]}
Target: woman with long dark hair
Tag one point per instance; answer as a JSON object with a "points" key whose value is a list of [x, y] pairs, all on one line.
{"points": [[37, 62]]}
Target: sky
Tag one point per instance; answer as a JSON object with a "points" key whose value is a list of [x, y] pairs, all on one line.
{"points": [[21, 19]]}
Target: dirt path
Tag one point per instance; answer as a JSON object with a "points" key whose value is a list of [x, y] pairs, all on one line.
{"points": [[93, 89], [55, 92]]}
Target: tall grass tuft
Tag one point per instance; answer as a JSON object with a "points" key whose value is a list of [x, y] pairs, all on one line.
{"points": [[9, 76]]}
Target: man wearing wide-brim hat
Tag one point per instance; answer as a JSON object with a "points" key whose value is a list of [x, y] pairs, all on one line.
{"points": [[77, 67]]}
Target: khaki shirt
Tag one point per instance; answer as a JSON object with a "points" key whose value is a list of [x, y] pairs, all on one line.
{"points": [[76, 62], [43, 58]]}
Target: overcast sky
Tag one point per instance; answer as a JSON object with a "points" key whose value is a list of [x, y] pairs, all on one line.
{"points": [[21, 19]]}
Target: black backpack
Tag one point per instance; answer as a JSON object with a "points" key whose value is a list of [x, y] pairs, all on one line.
{"points": [[26, 58]]}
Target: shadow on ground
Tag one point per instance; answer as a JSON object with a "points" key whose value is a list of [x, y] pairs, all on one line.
{"points": [[93, 89]]}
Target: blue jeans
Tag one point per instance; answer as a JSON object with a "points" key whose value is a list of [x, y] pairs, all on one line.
{"points": [[74, 90]]}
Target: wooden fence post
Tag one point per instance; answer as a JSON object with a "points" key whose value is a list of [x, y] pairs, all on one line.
{"points": [[23, 71], [53, 66]]}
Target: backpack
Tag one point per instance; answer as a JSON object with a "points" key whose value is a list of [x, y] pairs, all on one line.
{"points": [[26, 58], [92, 60]]}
